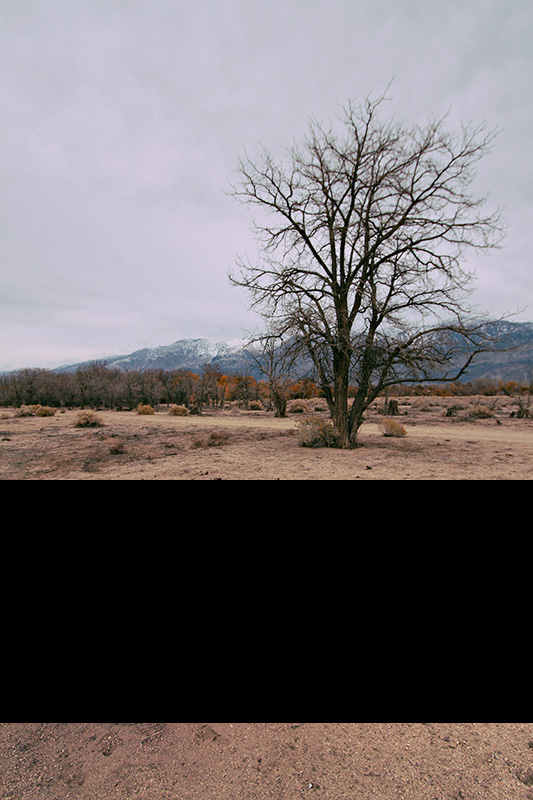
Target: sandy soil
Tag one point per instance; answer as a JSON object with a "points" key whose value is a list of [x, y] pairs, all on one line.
{"points": [[239, 445], [255, 760]]}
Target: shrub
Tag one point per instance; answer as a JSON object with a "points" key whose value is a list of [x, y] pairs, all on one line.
{"points": [[26, 411], [317, 432], [88, 419], [297, 407], [481, 412], [178, 411], [45, 411], [390, 427], [255, 405], [36, 410], [217, 438], [144, 409]]}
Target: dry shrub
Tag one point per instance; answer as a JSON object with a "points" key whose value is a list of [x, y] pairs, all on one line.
{"points": [[88, 419], [215, 439], [391, 427], [45, 411], [178, 411], [36, 410], [256, 405], [317, 432], [145, 409], [481, 412], [297, 407], [26, 411]]}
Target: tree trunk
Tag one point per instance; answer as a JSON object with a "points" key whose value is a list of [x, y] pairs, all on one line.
{"points": [[341, 385], [356, 416], [391, 408], [279, 400]]}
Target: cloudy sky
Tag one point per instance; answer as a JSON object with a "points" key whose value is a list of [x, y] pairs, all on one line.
{"points": [[122, 122]]}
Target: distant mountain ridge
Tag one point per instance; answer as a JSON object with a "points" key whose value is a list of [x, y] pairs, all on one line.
{"points": [[512, 361], [190, 354]]}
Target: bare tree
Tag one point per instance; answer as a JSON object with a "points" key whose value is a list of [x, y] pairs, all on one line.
{"points": [[363, 244], [272, 358]]}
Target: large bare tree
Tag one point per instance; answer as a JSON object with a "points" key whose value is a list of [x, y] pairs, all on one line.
{"points": [[363, 239]]}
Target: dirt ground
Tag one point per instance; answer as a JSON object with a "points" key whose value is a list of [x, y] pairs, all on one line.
{"points": [[253, 445], [256, 760]]}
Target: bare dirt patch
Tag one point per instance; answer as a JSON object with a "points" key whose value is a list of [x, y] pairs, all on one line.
{"points": [[245, 760], [238, 445]]}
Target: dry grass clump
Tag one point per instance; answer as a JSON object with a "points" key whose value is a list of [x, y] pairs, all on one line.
{"points": [[317, 432], [24, 411], [178, 411], [297, 407], [481, 412], [215, 439], [391, 427], [36, 410], [88, 419], [145, 409], [45, 411]]}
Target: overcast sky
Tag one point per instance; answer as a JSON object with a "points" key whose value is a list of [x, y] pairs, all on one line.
{"points": [[122, 122]]}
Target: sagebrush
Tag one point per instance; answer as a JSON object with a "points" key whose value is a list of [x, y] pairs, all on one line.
{"points": [[315, 431]]}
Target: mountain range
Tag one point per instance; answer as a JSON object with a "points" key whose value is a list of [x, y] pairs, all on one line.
{"points": [[512, 360], [233, 356]]}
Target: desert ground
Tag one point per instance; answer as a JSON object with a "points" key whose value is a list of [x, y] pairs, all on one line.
{"points": [[257, 760], [235, 444]]}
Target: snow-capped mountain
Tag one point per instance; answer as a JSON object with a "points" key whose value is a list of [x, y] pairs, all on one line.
{"points": [[190, 354]]}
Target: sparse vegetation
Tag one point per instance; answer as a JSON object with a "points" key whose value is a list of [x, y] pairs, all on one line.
{"points": [[482, 412], [145, 410], [316, 431], [35, 410], [98, 387], [391, 427], [297, 407], [217, 438], [230, 444], [45, 411], [213, 439], [178, 411], [88, 419]]}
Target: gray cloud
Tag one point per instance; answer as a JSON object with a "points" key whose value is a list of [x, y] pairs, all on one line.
{"points": [[122, 122]]}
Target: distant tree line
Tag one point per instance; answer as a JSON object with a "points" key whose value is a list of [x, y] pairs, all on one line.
{"points": [[98, 386]]}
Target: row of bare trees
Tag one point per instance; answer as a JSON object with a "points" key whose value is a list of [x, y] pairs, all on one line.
{"points": [[98, 386]]}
